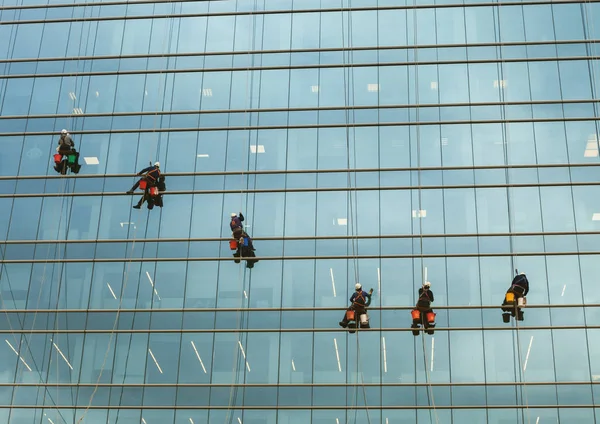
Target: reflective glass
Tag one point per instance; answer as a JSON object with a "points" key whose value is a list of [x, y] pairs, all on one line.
{"points": [[385, 143]]}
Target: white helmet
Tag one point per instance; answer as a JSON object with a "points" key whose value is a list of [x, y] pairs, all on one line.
{"points": [[157, 164], [63, 131], [233, 214], [427, 284], [358, 286], [522, 273]]}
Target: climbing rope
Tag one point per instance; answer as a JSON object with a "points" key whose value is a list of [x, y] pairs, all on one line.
{"points": [[426, 364], [511, 212], [71, 125], [242, 318], [116, 321], [167, 38], [169, 31], [352, 205], [24, 340], [112, 333], [69, 201], [430, 396], [346, 82]]}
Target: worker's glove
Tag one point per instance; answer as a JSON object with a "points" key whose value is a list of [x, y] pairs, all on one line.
{"points": [[139, 174], [371, 291], [58, 149]]}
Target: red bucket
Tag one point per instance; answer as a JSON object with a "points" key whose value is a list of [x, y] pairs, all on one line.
{"points": [[233, 244], [350, 315], [415, 314], [153, 191], [143, 184], [430, 317], [57, 157]]}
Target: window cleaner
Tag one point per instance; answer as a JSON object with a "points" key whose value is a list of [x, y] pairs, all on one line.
{"points": [[423, 316], [241, 242], [66, 156], [151, 177], [515, 299], [356, 315], [152, 195]]}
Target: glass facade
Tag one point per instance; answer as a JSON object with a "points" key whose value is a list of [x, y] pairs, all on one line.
{"points": [[389, 142]]}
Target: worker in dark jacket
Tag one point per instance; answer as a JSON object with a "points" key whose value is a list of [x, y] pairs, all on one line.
{"points": [[151, 177], [359, 300], [520, 285], [237, 229], [425, 298], [515, 298], [65, 143], [236, 224], [423, 316]]}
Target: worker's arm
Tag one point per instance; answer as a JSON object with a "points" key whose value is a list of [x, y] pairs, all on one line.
{"points": [[368, 298], [145, 170]]}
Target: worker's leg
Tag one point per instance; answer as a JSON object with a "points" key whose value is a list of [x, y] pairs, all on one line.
{"points": [[134, 188], [344, 322], [142, 200], [64, 167]]}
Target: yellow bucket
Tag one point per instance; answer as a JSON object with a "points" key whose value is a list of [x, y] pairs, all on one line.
{"points": [[510, 297]]}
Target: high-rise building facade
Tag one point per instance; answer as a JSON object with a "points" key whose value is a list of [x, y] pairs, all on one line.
{"points": [[386, 142]]}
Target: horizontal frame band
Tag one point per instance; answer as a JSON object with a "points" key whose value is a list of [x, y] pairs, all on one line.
{"points": [[312, 126], [293, 67], [306, 238], [284, 11], [300, 109], [297, 258], [298, 330], [310, 190], [301, 51], [301, 385], [297, 408], [285, 309]]}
